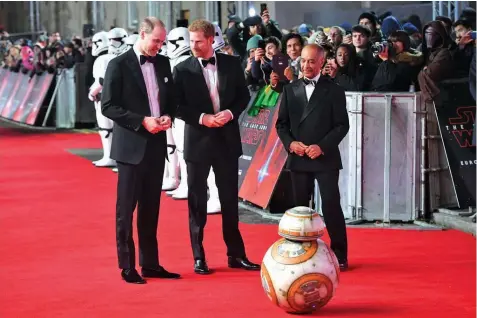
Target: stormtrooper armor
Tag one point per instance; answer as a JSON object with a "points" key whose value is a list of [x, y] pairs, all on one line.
{"points": [[130, 40], [100, 49], [219, 42], [117, 41], [177, 49]]}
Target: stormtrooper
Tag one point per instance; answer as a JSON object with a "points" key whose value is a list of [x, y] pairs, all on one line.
{"points": [[178, 50], [130, 40], [100, 50], [114, 42]]}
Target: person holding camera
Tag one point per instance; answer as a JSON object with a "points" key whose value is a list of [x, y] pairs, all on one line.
{"points": [[400, 65], [262, 63]]}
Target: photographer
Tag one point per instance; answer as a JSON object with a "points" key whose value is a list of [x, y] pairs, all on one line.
{"points": [[400, 65]]}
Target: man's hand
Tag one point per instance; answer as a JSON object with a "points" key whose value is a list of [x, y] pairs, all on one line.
{"points": [[223, 117], [151, 124], [347, 39], [165, 122], [313, 151], [265, 17], [210, 121], [259, 53], [298, 147], [274, 79], [289, 73], [384, 55]]}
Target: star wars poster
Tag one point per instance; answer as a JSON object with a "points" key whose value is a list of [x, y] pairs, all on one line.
{"points": [[266, 160], [456, 117]]}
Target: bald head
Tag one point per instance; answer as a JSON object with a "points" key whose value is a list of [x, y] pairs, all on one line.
{"points": [[152, 34], [312, 59]]}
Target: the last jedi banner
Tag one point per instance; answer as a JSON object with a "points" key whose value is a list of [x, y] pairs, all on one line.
{"points": [[456, 116]]}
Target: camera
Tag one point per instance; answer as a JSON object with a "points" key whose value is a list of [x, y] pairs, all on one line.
{"points": [[378, 48]]}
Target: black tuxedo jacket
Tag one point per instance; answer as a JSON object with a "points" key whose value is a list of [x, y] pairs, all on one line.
{"points": [[200, 142], [124, 100], [322, 121]]}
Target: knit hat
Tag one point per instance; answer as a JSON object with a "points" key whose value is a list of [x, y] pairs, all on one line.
{"points": [[252, 43], [389, 25], [368, 15], [303, 30], [410, 28]]}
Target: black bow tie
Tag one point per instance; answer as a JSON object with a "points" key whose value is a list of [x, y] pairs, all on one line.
{"points": [[151, 59], [309, 81], [211, 61]]}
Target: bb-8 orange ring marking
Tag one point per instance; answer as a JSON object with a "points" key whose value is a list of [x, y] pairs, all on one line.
{"points": [[269, 288], [306, 286], [300, 216], [309, 249], [292, 234]]}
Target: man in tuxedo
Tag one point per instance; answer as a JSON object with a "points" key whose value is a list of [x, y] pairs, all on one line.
{"points": [[138, 95], [212, 94], [312, 121]]}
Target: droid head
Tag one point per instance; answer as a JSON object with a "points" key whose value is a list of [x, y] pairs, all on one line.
{"points": [[178, 42], [117, 41], [219, 42], [100, 43]]}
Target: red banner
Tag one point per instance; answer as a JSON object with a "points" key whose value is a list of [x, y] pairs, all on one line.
{"points": [[21, 97]]}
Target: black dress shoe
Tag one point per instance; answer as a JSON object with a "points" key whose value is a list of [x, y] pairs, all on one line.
{"points": [[243, 262], [159, 272], [132, 276], [200, 267], [343, 266]]}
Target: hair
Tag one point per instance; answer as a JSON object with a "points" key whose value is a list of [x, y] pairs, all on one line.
{"points": [[342, 31], [273, 40], [204, 26], [464, 22], [149, 23], [401, 36], [352, 66], [361, 29], [290, 36]]}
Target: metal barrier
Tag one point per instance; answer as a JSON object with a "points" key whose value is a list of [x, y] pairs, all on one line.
{"points": [[66, 99], [383, 157]]}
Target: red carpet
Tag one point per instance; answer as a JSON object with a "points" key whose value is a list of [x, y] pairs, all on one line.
{"points": [[58, 255]]}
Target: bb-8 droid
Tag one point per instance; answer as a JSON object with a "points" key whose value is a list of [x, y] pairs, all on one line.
{"points": [[300, 273]]}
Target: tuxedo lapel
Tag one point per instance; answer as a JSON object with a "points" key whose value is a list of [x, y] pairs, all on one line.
{"points": [[300, 95], [221, 77], [315, 99], [197, 68], [161, 84], [133, 63]]}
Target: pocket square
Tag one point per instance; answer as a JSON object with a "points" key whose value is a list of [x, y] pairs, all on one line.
{"points": [[166, 79]]}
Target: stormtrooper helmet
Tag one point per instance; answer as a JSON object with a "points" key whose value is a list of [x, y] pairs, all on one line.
{"points": [[163, 51], [130, 40], [218, 39], [178, 42], [117, 41], [100, 43]]}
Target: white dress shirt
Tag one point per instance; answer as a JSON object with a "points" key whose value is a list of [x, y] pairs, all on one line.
{"points": [[211, 79], [310, 88], [150, 79]]}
